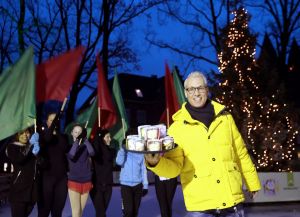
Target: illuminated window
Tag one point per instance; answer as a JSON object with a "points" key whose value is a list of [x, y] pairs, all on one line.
{"points": [[139, 93]]}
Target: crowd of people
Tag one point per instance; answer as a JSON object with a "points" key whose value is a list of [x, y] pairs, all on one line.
{"points": [[211, 159], [49, 166]]}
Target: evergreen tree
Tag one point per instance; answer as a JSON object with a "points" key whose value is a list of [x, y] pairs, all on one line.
{"points": [[293, 74], [263, 119], [269, 68]]}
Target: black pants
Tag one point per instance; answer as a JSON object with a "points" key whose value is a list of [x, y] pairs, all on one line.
{"points": [[131, 199], [101, 196], [53, 196], [165, 191], [21, 209]]}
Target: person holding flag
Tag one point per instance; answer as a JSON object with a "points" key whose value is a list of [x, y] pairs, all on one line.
{"points": [[102, 180], [17, 115], [53, 179], [54, 79], [23, 152], [80, 170]]}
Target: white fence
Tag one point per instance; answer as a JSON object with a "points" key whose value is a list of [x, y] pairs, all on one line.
{"points": [[277, 187]]}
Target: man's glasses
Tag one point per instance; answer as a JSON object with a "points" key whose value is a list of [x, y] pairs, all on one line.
{"points": [[191, 90]]}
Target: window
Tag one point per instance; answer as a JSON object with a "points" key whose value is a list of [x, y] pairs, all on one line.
{"points": [[139, 93]]}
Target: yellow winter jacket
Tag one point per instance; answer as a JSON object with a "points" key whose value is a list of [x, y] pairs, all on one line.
{"points": [[211, 162]]}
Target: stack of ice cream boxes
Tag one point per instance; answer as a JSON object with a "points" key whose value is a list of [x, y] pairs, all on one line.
{"points": [[150, 138]]}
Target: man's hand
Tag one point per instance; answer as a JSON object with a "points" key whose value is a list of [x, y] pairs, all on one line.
{"points": [[252, 194], [152, 159]]}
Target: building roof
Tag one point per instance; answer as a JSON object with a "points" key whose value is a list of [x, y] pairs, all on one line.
{"points": [[152, 88]]}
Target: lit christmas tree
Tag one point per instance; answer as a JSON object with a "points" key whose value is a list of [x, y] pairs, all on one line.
{"points": [[264, 120]]}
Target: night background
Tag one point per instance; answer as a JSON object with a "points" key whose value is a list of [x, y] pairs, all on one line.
{"points": [[249, 50]]}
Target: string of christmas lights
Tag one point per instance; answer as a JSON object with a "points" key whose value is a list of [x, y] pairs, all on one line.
{"points": [[265, 124]]}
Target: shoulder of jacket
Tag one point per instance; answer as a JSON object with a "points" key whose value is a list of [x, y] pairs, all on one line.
{"points": [[225, 112], [18, 144]]}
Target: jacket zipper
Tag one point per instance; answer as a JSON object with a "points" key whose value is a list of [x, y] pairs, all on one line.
{"points": [[215, 128], [35, 170], [219, 114], [19, 173]]}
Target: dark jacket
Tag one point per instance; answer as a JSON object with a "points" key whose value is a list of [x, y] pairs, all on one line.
{"points": [[24, 179], [54, 147], [103, 163]]}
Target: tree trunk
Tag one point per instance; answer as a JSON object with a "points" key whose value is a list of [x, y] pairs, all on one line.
{"points": [[21, 27]]}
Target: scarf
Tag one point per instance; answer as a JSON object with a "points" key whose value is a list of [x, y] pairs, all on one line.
{"points": [[204, 114]]}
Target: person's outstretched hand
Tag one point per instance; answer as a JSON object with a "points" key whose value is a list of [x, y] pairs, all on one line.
{"points": [[152, 159], [252, 194]]}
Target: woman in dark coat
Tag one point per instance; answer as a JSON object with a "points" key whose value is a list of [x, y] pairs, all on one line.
{"points": [[23, 190], [53, 181], [103, 172]]}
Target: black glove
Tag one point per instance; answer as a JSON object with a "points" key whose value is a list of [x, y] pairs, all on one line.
{"points": [[56, 122], [83, 135], [145, 191]]}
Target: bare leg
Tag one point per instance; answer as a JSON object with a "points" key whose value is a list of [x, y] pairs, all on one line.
{"points": [[75, 201]]}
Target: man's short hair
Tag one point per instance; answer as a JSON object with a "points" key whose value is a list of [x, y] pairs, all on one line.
{"points": [[194, 75]]}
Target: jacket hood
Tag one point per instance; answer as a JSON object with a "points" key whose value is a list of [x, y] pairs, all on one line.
{"points": [[184, 115]]}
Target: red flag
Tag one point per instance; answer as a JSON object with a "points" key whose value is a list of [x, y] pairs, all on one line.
{"points": [[108, 115], [171, 98], [55, 76]]}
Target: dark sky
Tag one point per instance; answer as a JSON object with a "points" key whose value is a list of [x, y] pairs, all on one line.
{"points": [[152, 58]]}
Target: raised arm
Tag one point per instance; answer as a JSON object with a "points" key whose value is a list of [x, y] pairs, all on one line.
{"points": [[121, 157], [89, 147]]}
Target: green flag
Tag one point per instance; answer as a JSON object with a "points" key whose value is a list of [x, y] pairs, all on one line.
{"points": [[17, 96], [178, 87], [86, 118], [120, 128]]}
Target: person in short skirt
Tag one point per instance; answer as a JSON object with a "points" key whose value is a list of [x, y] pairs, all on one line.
{"points": [[80, 170]]}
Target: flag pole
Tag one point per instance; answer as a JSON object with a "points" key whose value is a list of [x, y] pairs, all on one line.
{"points": [[64, 104], [61, 109], [85, 126], [123, 127], [168, 121], [34, 124], [99, 117]]}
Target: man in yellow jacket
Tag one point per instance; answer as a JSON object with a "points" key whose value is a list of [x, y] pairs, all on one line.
{"points": [[211, 157]]}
